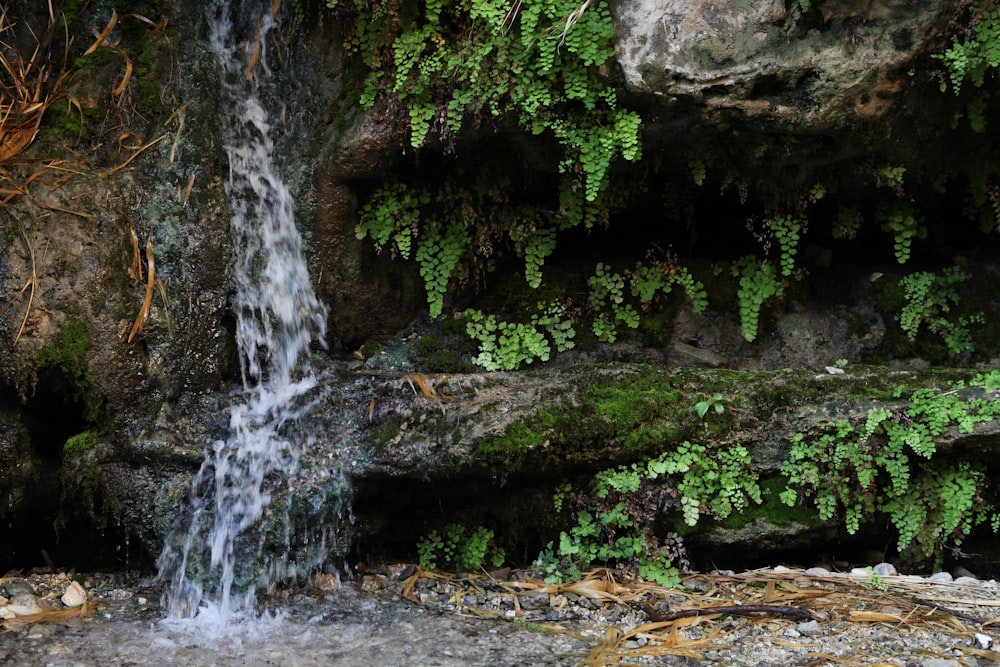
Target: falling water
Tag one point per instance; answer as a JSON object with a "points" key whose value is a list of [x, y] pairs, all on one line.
{"points": [[278, 317]]}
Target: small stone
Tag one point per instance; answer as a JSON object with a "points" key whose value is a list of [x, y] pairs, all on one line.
{"points": [[75, 595], [884, 570], [689, 355], [809, 628], [370, 583], [983, 641], [833, 370], [780, 568], [940, 662], [15, 586], [861, 571], [24, 604], [817, 572], [5, 612], [966, 580], [940, 576], [792, 633], [119, 594]]}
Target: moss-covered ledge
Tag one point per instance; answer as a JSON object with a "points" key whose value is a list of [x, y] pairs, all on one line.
{"points": [[770, 459], [585, 418]]}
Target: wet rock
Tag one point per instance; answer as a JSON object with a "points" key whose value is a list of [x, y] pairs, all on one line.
{"points": [[75, 595], [15, 587], [24, 604]]}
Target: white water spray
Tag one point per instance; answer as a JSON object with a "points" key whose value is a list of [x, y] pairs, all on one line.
{"points": [[278, 317]]}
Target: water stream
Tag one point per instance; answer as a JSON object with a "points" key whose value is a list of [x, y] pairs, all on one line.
{"points": [[278, 317]]}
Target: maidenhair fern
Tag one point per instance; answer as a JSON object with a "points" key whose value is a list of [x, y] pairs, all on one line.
{"points": [[975, 55], [506, 346], [758, 283], [889, 464]]}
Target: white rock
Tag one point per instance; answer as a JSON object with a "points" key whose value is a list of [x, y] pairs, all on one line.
{"points": [[5, 612], [862, 571], [833, 370], [940, 576], [809, 628], [75, 595], [884, 570], [983, 641], [817, 572], [23, 609]]}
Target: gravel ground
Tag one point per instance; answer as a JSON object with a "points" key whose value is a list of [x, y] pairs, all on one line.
{"points": [[397, 614]]}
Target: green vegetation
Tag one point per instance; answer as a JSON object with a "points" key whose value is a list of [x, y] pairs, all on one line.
{"points": [[505, 346], [714, 402], [538, 64], [616, 526], [929, 298], [459, 549], [890, 464], [758, 283], [63, 364], [975, 55], [81, 442], [542, 69], [901, 221], [646, 281]]}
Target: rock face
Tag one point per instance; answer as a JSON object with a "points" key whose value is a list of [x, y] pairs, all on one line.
{"points": [[838, 62], [154, 402]]}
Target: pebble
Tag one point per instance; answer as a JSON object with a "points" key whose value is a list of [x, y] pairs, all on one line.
{"points": [[884, 570], [75, 595], [817, 572], [940, 576], [24, 604], [809, 628], [12, 588]]}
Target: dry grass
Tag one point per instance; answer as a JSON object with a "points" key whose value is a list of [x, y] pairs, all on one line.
{"points": [[27, 88], [703, 617]]}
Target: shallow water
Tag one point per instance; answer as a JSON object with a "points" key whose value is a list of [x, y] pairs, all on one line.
{"points": [[345, 628]]}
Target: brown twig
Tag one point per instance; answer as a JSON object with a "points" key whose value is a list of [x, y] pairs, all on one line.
{"points": [[31, 282], [957, 614], [105, 174], [732, 610]]}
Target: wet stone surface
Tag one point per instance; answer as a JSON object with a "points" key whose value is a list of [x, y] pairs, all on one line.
{"points": [[397, 614]]}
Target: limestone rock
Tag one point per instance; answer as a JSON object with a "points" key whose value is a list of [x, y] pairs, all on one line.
{"points": [[836, 62]]}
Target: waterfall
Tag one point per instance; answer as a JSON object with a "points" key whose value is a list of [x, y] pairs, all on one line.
{"points": [[278, 317]]}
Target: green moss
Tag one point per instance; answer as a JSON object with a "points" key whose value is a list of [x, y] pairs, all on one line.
{"points": [[67, 353], [446, 348], [636, 411], [81, 442], [772, 509]]}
